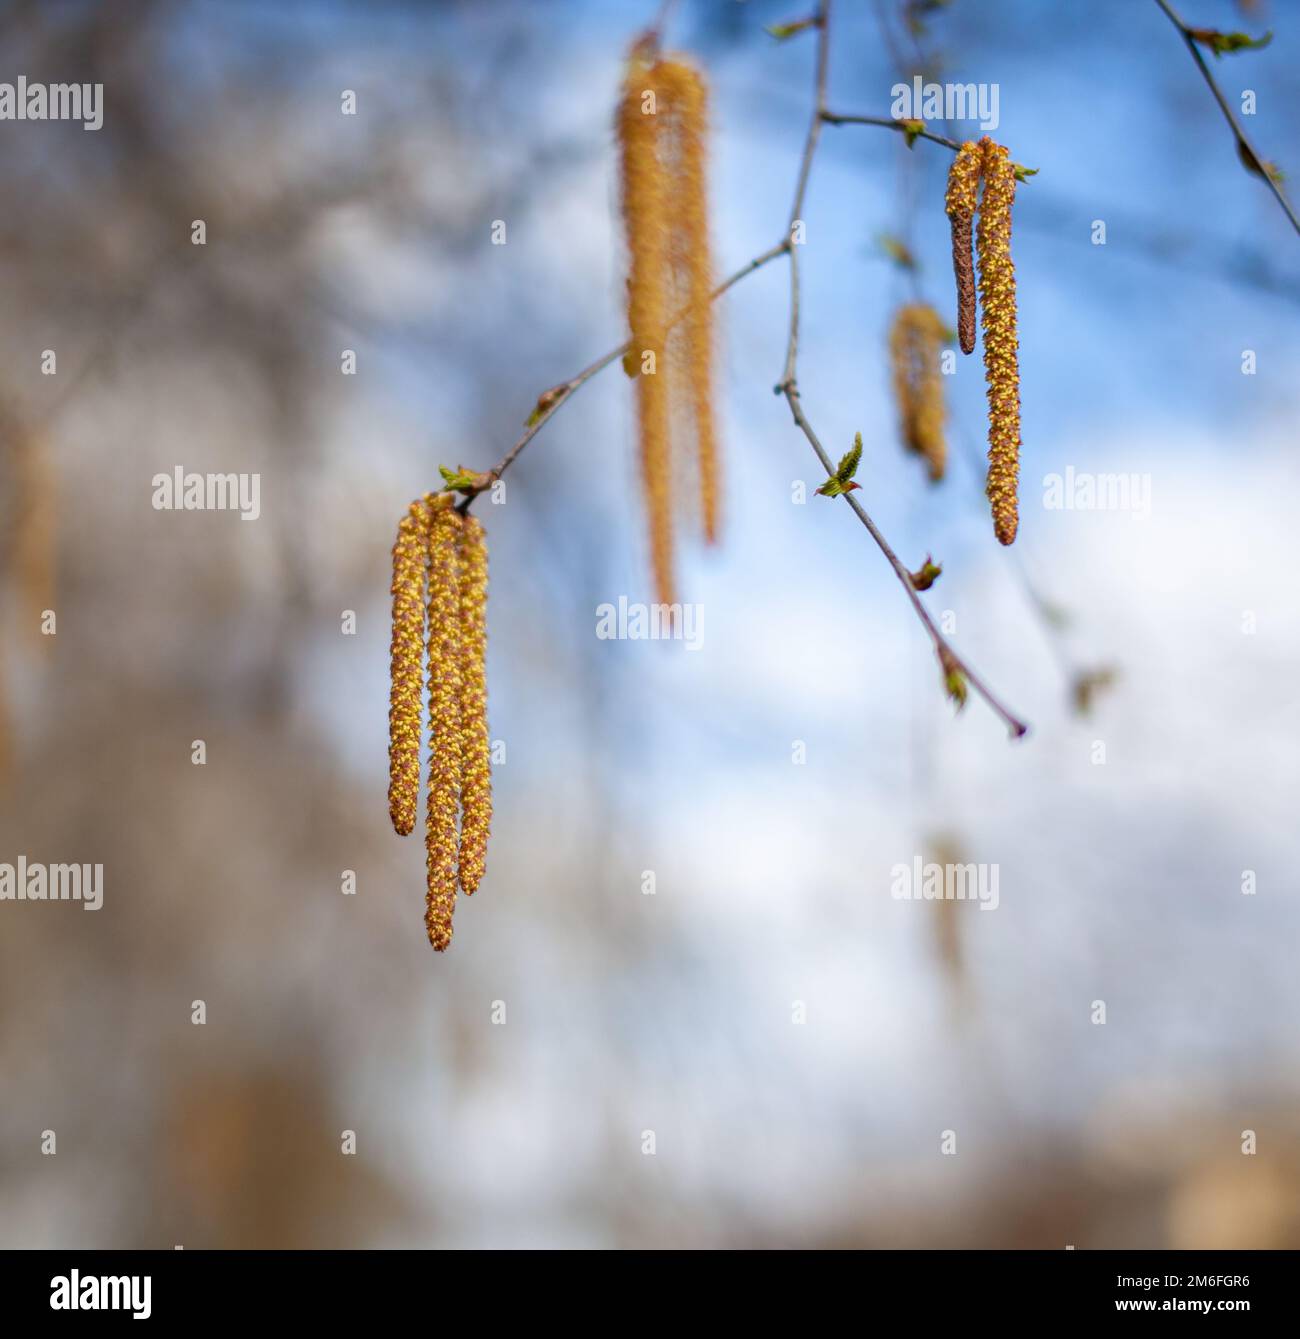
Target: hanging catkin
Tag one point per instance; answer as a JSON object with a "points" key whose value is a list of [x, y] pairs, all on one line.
{"points": [[645, 203], [445, 680], [406, 692], [959, 201], [997, 283], [683, 112], [476, 762], [440, 573], [662, 123], [916, 341]]}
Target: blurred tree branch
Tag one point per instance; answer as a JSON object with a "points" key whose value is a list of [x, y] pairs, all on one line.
{"points": [[950, 662], [1251, 160], [550, 401]]}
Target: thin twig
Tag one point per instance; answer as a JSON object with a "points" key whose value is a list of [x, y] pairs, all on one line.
{"points": [[663, 19], [551, 401], [788, 386], [1039, 607], [1245, 148], [840, 119]]}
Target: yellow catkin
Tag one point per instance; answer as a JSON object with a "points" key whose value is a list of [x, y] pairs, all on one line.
{"points": [[445, 677], [916, 342], [960, 201], [683, 113], [997, 280], [645, 192], [476, 749], [406, 687]]}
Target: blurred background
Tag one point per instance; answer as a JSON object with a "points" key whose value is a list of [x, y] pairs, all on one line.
{"points": [[797, 1040]]}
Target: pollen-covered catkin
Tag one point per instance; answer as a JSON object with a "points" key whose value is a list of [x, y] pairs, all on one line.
{"points": [[406, 691], [645, 189], [959, 201], [445, 681], [476, 749], [997, 280], [683, 113], [916, 341]]}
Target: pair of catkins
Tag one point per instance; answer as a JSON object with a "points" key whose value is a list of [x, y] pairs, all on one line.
{"points": [[439, 644], [990, 163]]}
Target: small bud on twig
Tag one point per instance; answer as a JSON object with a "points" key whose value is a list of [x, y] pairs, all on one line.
{"points": [[461, 480], [927, 576], [911, 129], [546, 401], [1225, 43], [954, 681], [842, 480], [1088, 683], [784, 31]]}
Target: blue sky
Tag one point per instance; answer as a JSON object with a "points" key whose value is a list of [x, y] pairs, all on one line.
{"points": [[1120, 880]]}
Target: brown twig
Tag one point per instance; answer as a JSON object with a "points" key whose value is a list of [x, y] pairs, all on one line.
{"points": [[903, 127], [551, 401], [1245, 149], [788, 386]]}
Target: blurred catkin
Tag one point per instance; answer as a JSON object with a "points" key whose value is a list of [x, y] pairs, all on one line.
{"points": [[997, 281], [445, 680], [476, 792], [6, 729], [34, 539], [960, 201], [683, 110], [916, 341], [645, 206], [662, 127], [406, 690]]}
